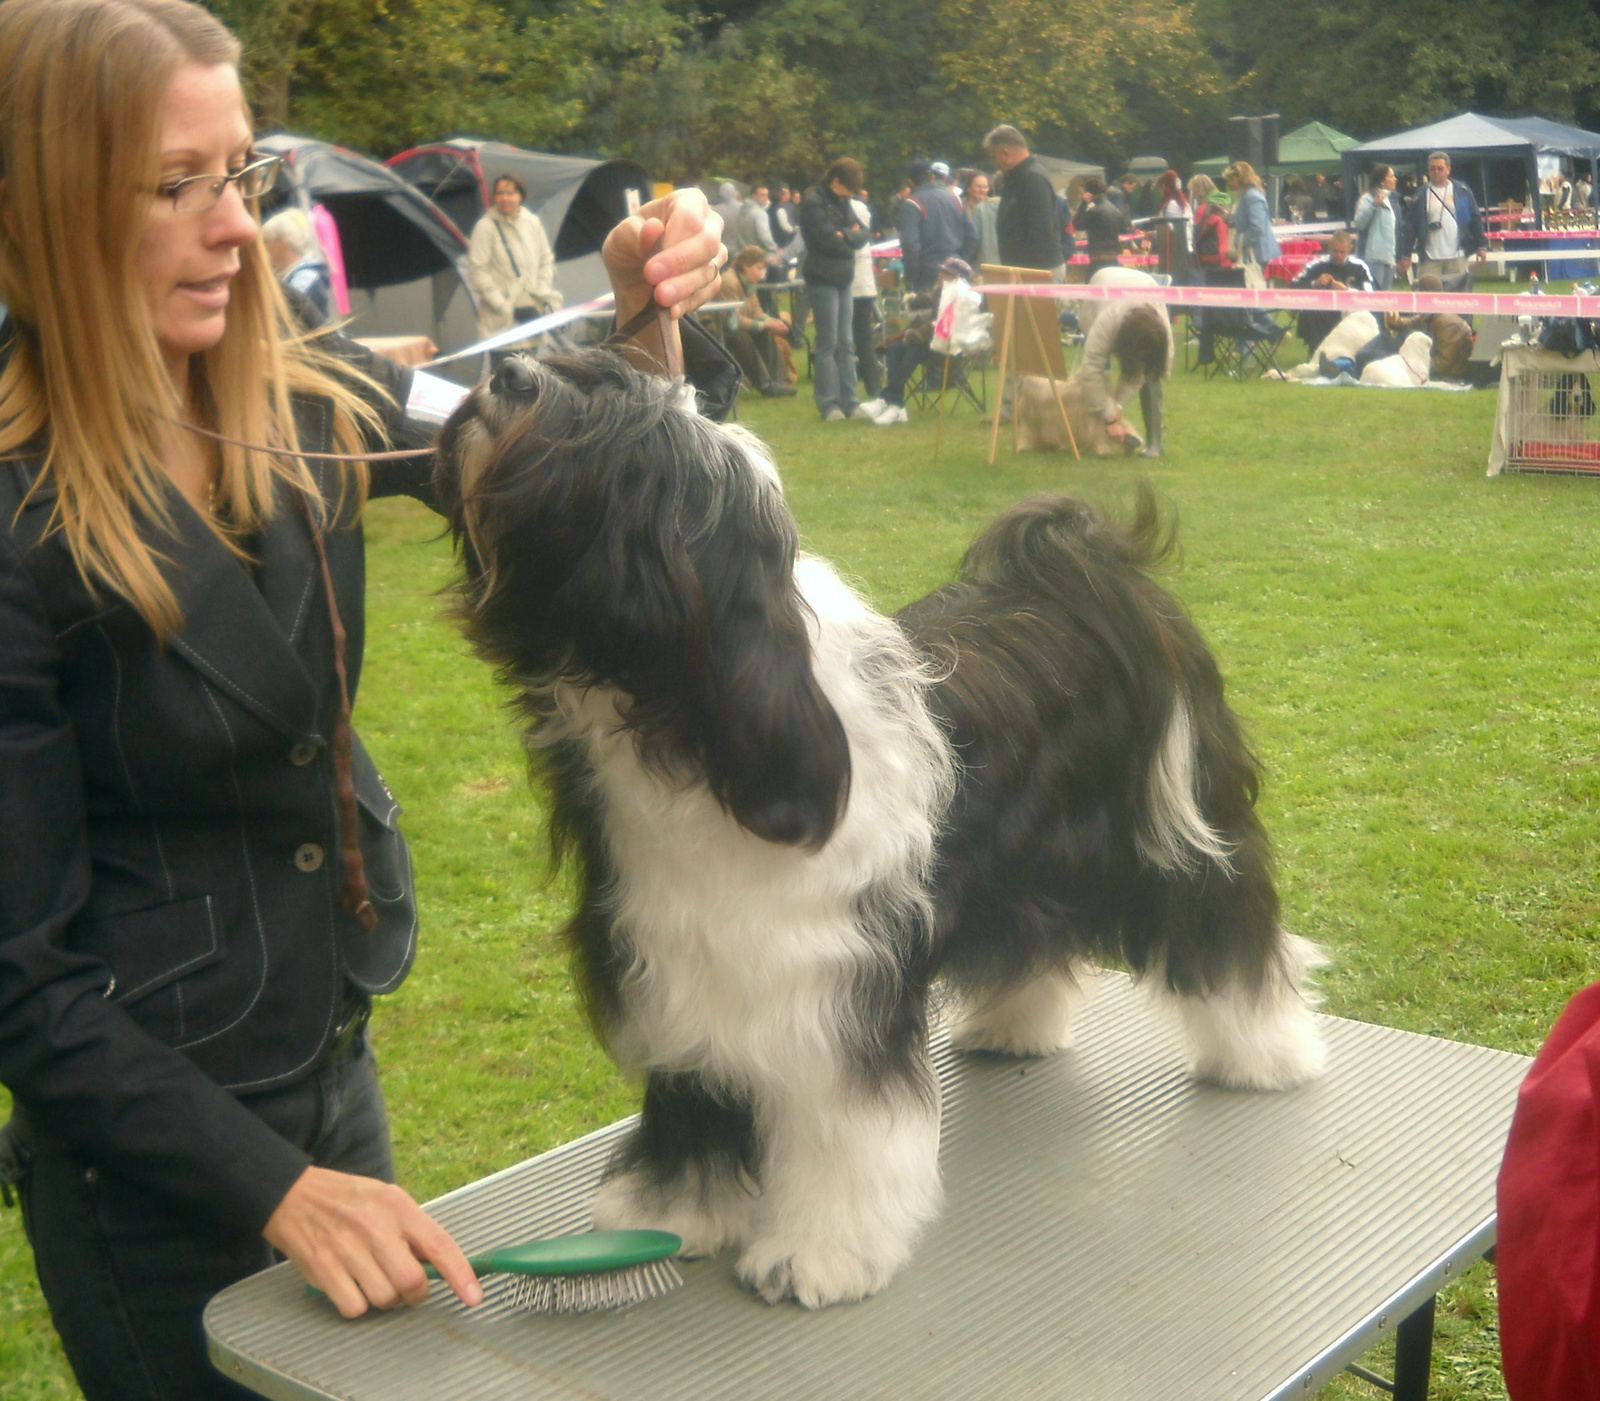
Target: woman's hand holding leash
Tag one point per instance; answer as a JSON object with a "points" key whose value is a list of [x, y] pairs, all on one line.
{"points": [[669, 254], [361, 1242]]}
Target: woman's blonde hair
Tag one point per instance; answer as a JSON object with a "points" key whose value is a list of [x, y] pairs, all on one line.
{"points": [[1199, 187], [1244, 173], [83, 86]]}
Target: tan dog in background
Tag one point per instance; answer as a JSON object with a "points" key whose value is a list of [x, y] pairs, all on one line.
{"points": [[1039, 426]]}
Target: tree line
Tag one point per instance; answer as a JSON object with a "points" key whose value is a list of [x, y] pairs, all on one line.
{"points": [[775, 88]]}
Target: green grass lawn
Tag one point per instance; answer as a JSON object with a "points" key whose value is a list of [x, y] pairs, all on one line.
{"points": [[1414, 649]]}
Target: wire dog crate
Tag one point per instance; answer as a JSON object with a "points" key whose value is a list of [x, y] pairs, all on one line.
{"points": [[1553, 422]]}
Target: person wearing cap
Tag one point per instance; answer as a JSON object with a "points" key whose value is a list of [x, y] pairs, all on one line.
{"points": [[933, 227], [906, 351], [1027, 227]]}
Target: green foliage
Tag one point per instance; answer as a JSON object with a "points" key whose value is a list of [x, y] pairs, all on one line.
{"points": [[692, 107], [776, 88], [1369, 66]]}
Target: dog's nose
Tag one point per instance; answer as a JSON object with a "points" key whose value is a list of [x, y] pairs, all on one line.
{"points": [[515, 378]]}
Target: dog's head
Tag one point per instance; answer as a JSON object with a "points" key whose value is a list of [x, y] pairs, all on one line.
{"points": [[612, 537]]}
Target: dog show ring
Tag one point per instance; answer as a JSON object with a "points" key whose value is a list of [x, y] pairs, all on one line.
{"points": [[1113, 1231]]}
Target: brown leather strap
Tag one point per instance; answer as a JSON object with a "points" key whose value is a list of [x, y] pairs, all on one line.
{"points": [[354, 894], [670, 344]]}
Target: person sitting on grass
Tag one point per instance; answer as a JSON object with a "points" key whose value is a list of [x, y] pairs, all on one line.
{"points": [[904, 352], [1451, 336], [759, 342], [1339, 271]]}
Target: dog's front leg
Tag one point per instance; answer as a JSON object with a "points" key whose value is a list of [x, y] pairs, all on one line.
{"points": [[849, 1176], [689, 1167]]}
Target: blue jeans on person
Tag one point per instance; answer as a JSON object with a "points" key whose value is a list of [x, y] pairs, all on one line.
{"points": [[833, 362], [1382, 275], [127, 1272]]}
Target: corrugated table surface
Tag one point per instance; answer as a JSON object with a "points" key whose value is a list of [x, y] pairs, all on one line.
{"points": [[1113, 1231]]}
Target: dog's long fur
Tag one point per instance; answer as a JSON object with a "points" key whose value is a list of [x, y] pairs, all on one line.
{"points": [[793, 815]]}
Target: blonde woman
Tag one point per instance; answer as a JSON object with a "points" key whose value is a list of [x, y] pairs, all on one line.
{"points": [[201, 881], [1254, 241]]}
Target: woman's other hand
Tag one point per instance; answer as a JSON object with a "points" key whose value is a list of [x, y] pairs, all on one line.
{"points": [[362, 1242]]}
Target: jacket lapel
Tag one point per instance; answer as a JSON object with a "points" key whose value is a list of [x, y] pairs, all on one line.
{"points": [[230, 633]]}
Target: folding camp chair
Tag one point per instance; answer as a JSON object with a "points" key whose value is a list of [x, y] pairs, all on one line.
{"points": [[938, 374], [1240, 346]]}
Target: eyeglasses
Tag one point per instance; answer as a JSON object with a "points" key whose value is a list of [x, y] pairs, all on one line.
{"points": [[197, 193]]}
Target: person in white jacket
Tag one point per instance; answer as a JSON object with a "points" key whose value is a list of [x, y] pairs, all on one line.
{"points": [[865, 323], [510, 265]]}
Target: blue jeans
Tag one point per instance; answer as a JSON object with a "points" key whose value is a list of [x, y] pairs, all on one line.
{"points": [[833, 362], [127, 1272]]}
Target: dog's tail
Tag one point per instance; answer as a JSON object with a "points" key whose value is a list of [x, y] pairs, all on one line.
{"points": [[1195, 777]]}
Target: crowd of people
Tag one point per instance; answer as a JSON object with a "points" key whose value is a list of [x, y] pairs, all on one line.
{"points": [[818, 244]]}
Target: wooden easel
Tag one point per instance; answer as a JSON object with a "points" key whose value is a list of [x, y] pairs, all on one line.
{"points": [[1039, 355]]}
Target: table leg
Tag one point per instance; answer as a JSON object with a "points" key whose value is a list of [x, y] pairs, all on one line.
{"points": [[1413, 1354]]}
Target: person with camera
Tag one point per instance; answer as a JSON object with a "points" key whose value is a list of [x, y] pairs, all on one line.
{"points": [[1443, 227]]}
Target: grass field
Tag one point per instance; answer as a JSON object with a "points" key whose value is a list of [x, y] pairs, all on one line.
{"points": [[1414, 648]]}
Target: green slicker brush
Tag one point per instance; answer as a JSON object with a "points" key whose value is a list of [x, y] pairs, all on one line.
{"points": [[593, 1272]]}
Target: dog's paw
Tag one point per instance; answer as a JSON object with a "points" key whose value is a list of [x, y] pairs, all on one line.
{"points": [[1034, 1019], [1276, 1056], [704, 1219], [1266, 1040], [813, 1274]]}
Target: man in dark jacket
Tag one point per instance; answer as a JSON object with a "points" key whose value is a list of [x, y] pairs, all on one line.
{"points": [[933, 227], [1102, 224], [1027, 226]]}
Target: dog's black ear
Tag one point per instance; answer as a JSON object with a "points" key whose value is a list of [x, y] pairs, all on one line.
{"points": [[777, 757], [740, 673], [627, 543]]}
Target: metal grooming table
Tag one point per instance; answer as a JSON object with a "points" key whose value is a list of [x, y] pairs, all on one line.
{"points": [[1113, 1232]]}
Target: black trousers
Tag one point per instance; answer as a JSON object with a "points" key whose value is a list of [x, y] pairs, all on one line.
{"points": [[127, 1272]]}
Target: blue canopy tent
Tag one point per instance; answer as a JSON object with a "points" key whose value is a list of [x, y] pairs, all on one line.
{"points": [[1506, 148]]}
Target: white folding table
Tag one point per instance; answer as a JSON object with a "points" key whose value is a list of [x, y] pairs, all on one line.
{"points": [[1113, 1232]]}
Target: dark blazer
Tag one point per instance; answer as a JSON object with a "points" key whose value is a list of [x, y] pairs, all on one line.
{"points": [[171, 935]]}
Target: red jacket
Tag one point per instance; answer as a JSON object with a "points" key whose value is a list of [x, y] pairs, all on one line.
{"points": [[1210, 236], [1548, 1249]]}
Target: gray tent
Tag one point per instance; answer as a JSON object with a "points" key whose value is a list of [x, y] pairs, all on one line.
{"points": [[1063, 172], [404, 259], [1502, 152], [577, 200]]}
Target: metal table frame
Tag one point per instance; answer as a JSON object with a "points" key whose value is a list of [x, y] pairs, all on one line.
{"points": [[1112, 1231]]}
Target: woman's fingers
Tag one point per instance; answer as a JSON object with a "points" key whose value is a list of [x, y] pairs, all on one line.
{"points": [[359, 1241]]}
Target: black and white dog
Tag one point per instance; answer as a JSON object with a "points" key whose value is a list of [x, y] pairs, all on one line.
{"points": [[793, 814]]}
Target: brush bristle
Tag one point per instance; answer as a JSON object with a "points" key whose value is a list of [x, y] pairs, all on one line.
{"points": [[597, 1291]]}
